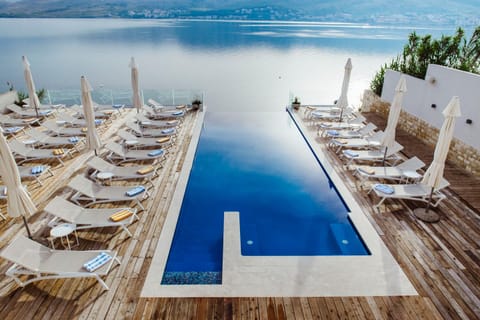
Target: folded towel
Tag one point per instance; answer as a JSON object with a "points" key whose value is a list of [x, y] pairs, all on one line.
{"points": [[84, 129], [325, 125], [155, 153], [367, 170], [121, 215], [342, 141], [37, 169], [145, 170], [116, 106], [57, 152], [384, 188], [146, 123], [98, 122], [350, 153], [5, 191], [168, 131], [26, 120], [177, 113], [45, 112], [333, 133], [181, 107], [135, 191], [172, 122], [12, 129], [163, 140], [97, 262], [73, 139]]}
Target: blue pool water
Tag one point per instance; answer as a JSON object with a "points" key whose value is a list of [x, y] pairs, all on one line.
{"points": [[256, 163]]}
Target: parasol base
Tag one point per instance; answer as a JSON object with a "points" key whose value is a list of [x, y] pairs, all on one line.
{"points": [[426, 215]]}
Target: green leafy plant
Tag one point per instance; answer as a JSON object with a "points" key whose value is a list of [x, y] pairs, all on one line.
{"points": [[41, 94], [451, 51]]}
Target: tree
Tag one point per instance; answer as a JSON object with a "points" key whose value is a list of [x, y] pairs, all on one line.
{"points": [[450, 51]]}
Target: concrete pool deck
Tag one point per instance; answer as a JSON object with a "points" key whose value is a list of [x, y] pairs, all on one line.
{"points": [[289, 276]]}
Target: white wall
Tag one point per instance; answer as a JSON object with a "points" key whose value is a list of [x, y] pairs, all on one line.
{"points": [[448, 82], [6, 99]]}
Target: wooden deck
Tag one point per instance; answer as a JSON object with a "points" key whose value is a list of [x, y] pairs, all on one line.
{"points": [[442, 260]]}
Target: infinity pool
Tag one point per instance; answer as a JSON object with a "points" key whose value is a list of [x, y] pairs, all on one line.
{"points": [[259, 165]]}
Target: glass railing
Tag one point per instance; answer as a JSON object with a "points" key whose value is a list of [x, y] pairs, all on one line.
{"points": [[118, 96]]}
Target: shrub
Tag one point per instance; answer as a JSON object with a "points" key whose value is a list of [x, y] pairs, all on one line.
{"points": [[450, 51]]}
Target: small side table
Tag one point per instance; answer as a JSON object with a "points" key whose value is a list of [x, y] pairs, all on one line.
{"points": [[63, 231], [412, 176], [105, 176]]}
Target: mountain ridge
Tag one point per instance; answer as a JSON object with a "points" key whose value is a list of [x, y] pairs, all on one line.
{"points": [[450, 12]]}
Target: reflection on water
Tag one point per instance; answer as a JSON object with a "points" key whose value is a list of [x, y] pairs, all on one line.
{"points": [[239, 65]]}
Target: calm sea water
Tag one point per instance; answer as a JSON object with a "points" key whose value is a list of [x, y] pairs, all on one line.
{"points": [[238, 65]]}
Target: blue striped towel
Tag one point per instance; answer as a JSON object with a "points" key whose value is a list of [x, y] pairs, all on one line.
{"points": [[117, 106], [98, 122], [333, 133], [73, 139], [155, 153], [37, 169], [177, 113], [350, 153], [135, 191], [384, 188], [45, 112], [97, 262], [169, 130]]}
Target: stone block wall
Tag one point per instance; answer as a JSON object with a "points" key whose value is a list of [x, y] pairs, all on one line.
{"points": [[460, 153]]}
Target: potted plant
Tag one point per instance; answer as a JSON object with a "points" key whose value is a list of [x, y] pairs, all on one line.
{"points": [[296, 103], [196, 104]]}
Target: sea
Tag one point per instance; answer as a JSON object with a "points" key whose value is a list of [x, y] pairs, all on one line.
{"points": [[231, 65]]}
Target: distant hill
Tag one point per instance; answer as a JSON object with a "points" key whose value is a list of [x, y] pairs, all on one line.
{"points": [[431, 12]]}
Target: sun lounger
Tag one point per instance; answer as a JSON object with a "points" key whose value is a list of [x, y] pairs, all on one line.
{"points": [[34, 172], [333, 114], [160, 113], [351, 124], [119, 154], [85, 190], [307, 110], [11, 130], [373, 155], [145, 122], [150, 132], [66, 211], [39, 262], [20, 112], [348, 134], [6, 121], [158, 107], [22, 153], [71, 121], [402, 172], [122, 173], [44, 140], [371, 142], [78, 113], [141, 142], [413, 191], [59, 130], [42, 106]]}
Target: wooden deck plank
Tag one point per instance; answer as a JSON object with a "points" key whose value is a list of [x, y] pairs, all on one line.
{"points": [[441, 260]]}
